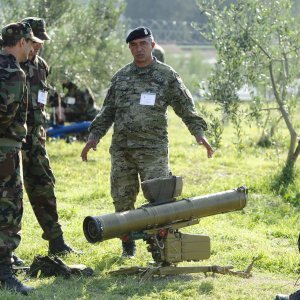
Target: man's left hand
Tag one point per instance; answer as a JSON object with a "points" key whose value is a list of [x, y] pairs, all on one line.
{"points": [[203, 141]]}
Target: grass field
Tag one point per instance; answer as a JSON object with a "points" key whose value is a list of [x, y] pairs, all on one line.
{"points": [[268, 227]]}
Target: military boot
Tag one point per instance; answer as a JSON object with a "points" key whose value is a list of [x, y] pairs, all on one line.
{"points": [[129, 249], [294, 296], [58, 246], [282, 297], [17, 261], [10, 282]]}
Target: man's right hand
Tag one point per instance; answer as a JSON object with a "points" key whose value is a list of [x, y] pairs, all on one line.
{"points": [[90, 144]]}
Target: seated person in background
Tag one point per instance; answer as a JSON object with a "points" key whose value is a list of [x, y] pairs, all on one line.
{"points": [[79, 105], [74, 105]]}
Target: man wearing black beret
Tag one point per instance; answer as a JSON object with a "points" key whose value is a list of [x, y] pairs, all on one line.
{"points": [[136, 103], [139, 33]]}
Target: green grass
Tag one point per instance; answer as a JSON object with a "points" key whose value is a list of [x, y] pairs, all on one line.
{"points": [[268, 227]]}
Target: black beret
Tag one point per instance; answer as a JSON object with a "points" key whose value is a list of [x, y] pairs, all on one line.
{"points": [[138, 33]]}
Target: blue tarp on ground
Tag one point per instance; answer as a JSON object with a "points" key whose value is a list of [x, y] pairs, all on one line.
{"points": [[60, 131]]}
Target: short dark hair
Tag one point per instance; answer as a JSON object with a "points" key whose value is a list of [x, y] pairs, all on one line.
{"points": [[8, 43], [11, 43]]}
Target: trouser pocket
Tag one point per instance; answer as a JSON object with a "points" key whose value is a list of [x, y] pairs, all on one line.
{"points": [[8, 164]]}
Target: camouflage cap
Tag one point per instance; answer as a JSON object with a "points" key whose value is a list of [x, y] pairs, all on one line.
{"points": [[138, 33], [38, 26], [16, 31]]}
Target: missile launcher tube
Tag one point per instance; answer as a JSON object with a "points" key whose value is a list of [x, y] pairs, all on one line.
{"points": [[100, 228]]}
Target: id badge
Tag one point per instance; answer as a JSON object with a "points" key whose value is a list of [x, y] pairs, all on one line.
{"points": [[71, 100], [42, 97], [147, 99]]}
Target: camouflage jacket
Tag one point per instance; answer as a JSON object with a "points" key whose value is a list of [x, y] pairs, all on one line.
{"points": [[13, 101], [37, 72], [139, 125]]}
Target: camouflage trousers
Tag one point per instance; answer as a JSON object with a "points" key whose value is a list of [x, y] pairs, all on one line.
{"points": [[127, 165], [11, 201], [39, 183]]}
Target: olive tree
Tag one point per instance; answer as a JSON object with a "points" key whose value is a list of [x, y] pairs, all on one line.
{"points": [[257, 43], [85, 45]]}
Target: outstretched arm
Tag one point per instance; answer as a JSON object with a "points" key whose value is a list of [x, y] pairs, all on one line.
{"points": [[100, 124]]}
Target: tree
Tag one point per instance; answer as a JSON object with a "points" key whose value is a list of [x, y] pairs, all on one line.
{"points": [[85, 46], [258, 44]]}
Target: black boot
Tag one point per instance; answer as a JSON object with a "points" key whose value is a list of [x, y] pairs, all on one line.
{"points": [[294, 296], [129, 249], [58, 246], [10, 282], [17, 261], [282, 297]]}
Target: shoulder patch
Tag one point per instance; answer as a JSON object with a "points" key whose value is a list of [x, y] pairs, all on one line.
{"points": [[178, 78], [188, 93]]}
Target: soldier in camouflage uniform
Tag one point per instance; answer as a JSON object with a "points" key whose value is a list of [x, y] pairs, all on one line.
{"points": [[159, 53], [17, 40], [136, 103], [39, 180], [78, 105]]}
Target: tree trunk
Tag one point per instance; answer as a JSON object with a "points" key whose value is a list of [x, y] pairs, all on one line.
{"points": [[292, 158], [293, 150]]}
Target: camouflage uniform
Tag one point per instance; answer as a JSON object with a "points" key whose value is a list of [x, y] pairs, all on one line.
{"points": [[17, 41], [13, 106], [78, 105], [140, 139], [159, 53], [39, 180]]}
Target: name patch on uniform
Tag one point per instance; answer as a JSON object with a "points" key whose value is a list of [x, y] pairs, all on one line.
{"points": [[147, 99], [42, 97]]}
